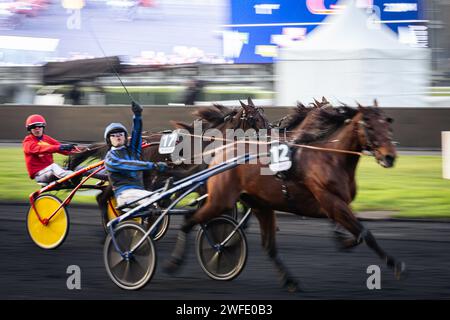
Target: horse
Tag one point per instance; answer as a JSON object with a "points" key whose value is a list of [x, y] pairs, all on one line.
{"points": [[320, 183]]}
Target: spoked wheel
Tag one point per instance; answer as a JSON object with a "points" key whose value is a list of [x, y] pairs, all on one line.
{"points": [[52, 234], [134, 271], [112, 213], [162, 227], [221, 262]]}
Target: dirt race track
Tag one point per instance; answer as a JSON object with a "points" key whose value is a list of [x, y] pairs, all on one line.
{"points": [[306, 246]]}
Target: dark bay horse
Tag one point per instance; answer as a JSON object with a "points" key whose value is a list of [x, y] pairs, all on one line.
{"points": [[319, 184]]}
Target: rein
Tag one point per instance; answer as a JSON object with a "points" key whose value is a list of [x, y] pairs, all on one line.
{"points": [[232, 142]]}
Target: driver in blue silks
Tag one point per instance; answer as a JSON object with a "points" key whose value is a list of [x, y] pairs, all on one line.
{"points": [[123, 161]]}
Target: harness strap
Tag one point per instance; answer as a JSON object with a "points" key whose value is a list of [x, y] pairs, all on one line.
{"points": [[283, 176]]}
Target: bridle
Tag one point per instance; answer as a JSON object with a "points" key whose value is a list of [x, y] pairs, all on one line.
{"points": [[250, 118], [370, 145]]}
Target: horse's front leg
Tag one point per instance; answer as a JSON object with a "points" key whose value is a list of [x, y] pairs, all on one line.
{"points": [[340, 212], [344, 240]]}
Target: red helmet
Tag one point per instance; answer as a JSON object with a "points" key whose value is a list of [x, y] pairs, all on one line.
{"points": [[35, 119]]}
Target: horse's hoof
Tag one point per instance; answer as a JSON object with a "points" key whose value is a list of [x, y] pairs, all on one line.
{"points": [[172, 265], [291, 285], [399, 269], [344, 242]]}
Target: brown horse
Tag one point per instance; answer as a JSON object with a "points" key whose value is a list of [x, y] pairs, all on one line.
{"points": [[319, 184]]}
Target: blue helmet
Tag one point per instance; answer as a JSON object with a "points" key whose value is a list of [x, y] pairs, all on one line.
{"points": [[114, 127]]}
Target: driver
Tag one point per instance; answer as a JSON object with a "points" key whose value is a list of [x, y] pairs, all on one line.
{"points": [[39, 148], [123, 162]]}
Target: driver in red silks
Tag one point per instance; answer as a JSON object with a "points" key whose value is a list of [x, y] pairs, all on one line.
{"points": [[39, 148]]}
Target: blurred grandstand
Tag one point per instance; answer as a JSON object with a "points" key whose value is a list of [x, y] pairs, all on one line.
{"points": [[157, 72]]}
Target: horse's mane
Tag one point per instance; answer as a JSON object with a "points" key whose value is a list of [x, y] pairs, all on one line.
{"points": [[215, 115], [321, 122], [294, 118], [210, 116]]}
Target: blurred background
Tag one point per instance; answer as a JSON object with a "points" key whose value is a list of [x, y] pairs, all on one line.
{"points": [[166, 47]]}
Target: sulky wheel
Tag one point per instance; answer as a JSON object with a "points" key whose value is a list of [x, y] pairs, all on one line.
{"points": [[52, 234], [112, 213], [162, 227], [133, 271], [221, 262]]}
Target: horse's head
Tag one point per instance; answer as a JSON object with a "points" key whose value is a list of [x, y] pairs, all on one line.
{"points": [[251, 116], [375, 134]]}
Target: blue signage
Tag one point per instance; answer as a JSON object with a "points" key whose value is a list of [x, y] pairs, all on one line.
{"points": [[258, 27]]}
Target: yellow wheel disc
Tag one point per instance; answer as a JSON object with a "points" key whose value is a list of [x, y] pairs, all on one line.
{"points": [[53, 234], [113, 213]]}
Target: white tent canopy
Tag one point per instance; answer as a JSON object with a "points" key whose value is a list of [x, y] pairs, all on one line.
{"points": [[350, 58]]}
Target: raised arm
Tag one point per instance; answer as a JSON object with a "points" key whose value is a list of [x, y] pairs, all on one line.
{"points": [[136, 135]]}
